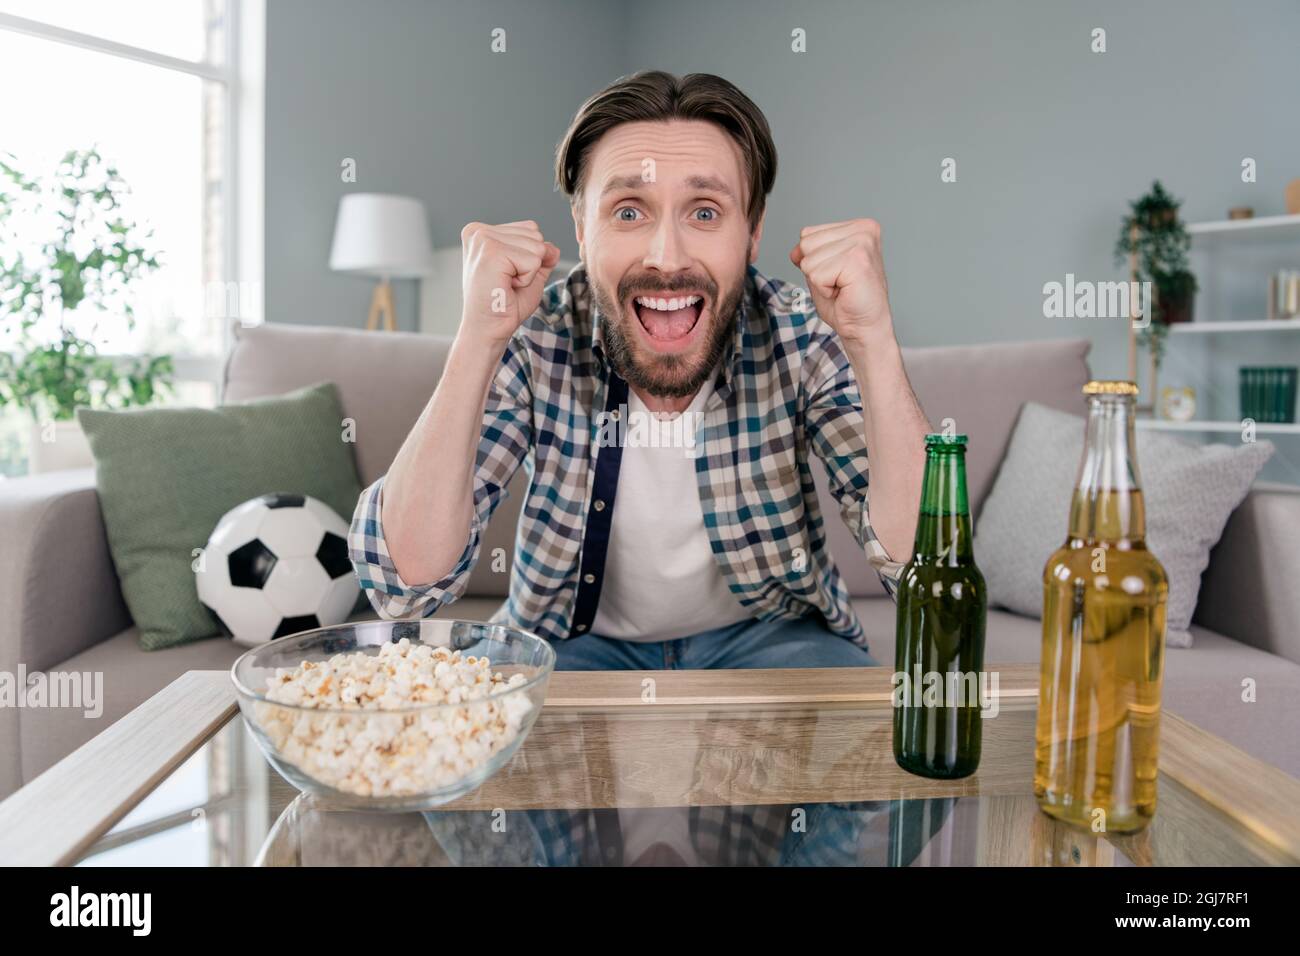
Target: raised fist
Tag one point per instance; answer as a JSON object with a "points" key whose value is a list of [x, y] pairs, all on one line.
{"points": [[504, 269]]}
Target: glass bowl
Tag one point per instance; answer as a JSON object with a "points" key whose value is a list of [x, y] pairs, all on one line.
{"points": [[400, 758]]}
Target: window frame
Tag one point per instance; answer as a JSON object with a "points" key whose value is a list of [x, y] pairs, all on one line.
{"points": [[241, 77]]}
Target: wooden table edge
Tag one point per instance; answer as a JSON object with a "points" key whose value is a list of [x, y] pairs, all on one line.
{"points": [[1258, 795], [60, 814]]}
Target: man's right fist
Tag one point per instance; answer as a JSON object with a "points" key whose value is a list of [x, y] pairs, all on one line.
{"points": [[504, 269]]}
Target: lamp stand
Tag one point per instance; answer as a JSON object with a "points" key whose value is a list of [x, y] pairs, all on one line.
{"points": [[381, 302]]}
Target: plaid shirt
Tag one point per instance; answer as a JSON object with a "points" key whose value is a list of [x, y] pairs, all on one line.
{"points": [[862, 833], [784, 393]]}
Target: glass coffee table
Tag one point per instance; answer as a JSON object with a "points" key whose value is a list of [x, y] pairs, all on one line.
{"points": [[761, 768]]}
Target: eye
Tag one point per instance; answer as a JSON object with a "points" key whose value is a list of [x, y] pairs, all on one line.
{"points": [[713, 213], [618, 213]]}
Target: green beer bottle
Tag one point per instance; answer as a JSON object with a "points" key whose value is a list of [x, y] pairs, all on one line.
{"points": [[942, 607]]}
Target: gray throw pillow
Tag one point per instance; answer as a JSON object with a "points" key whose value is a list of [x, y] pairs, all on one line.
{"points": [[1190, 491]]}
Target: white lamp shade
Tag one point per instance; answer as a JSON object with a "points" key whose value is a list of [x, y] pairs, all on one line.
{"points": [[381, 235]]}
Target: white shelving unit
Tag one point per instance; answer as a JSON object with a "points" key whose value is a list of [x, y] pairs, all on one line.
{"points": [[1245, 325], [1258, 226], [1211, 236], [1261, 428]]}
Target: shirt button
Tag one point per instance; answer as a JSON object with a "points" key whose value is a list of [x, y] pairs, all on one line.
{"points": [[589, 578], [582, 627], [598, 504]]}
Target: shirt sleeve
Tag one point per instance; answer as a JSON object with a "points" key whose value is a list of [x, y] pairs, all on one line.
{"points": [[504, 442], [837, 433]]}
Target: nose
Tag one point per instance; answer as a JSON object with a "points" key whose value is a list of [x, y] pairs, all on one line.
{"points": [[667, 252]]}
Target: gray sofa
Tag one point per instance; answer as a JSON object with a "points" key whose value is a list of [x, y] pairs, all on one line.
{"points": [[60, 607]]}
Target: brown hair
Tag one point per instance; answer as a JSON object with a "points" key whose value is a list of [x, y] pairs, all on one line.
{"points": [[656, 95]]}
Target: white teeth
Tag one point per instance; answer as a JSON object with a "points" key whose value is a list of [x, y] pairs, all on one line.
{"points": [[667, 305]]}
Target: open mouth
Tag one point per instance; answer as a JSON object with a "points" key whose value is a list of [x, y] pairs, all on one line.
{"points": [[669, 320]]}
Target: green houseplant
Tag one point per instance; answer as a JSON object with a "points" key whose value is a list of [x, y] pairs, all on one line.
{"points": [[1154, 236], [78, 265]]}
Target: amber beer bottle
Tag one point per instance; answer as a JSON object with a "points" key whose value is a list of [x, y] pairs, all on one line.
{"points": [[1104, 600], [942, 607]]}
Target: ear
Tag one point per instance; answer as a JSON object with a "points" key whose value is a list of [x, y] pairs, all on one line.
{"points": [[757, 237], [578, 230]]}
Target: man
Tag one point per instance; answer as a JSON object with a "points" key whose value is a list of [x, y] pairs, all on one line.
{"points": [[706, 549]]}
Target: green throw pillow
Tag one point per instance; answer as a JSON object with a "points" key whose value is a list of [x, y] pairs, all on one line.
{"points": [[167, 475]]}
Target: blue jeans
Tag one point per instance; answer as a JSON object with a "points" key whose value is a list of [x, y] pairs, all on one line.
{"points": [[751, 643], [835, 834]]}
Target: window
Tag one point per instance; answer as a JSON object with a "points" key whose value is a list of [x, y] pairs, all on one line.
{"points": [[163, 91]]}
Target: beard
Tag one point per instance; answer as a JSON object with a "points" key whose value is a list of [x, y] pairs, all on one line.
{"points": [[672, 375]]}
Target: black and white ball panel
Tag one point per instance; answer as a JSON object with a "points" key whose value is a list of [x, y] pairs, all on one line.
{"points": [[277, 565], [250, 565]]}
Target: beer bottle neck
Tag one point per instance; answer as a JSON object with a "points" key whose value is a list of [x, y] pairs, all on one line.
{"points": [[1107, 502], [943, 531]]}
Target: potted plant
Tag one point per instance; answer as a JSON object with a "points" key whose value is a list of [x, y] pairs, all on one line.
{"points": [[1175, 294], [75, 271], [1154, 238]]}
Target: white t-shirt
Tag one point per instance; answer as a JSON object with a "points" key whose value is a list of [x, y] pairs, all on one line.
{"points": [[662, 581], [645, 828]]}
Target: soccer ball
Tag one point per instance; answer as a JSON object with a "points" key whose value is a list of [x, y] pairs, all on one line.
{"points": [[277, 565]]}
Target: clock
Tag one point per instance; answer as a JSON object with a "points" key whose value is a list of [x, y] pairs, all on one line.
{"points": [[1178, 404]]}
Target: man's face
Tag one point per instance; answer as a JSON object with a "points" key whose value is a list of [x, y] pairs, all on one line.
{"points": [[663, 216]]}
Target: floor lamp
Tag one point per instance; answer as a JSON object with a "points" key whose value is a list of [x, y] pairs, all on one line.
{"points": [[382, 236]]}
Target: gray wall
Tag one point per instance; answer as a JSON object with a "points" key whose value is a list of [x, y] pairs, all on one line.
{"points": [[412, 92], [1051, 139]]}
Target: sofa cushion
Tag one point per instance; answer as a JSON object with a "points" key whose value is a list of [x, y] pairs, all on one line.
{"points": [[1189, 491], [384, 381], [981, 388], [969, 384], [1008, 638], [1202, 685], [167, 475], [1249, 590], [53, 533], [1205, 685]]}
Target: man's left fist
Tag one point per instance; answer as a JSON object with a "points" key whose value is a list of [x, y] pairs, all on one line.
{"points": [[846, 275]]}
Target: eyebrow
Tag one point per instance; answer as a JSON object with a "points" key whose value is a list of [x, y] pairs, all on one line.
{"points": [[634, 181]]}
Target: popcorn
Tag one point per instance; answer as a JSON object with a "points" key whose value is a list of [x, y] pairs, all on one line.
{"points": [[367, 741]]}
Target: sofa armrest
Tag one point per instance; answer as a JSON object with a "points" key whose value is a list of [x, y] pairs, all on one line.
{"points": [[59, 593], [1249, 591]]}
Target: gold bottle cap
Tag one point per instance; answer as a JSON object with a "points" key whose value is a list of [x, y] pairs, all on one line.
{"points": [[1110, 387]]}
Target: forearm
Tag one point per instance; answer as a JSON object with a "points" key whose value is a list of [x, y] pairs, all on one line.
{"points": [[428, 494], [895, 437]]}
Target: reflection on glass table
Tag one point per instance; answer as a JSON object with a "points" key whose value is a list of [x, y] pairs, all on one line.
{"points": [[812, 785]]}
